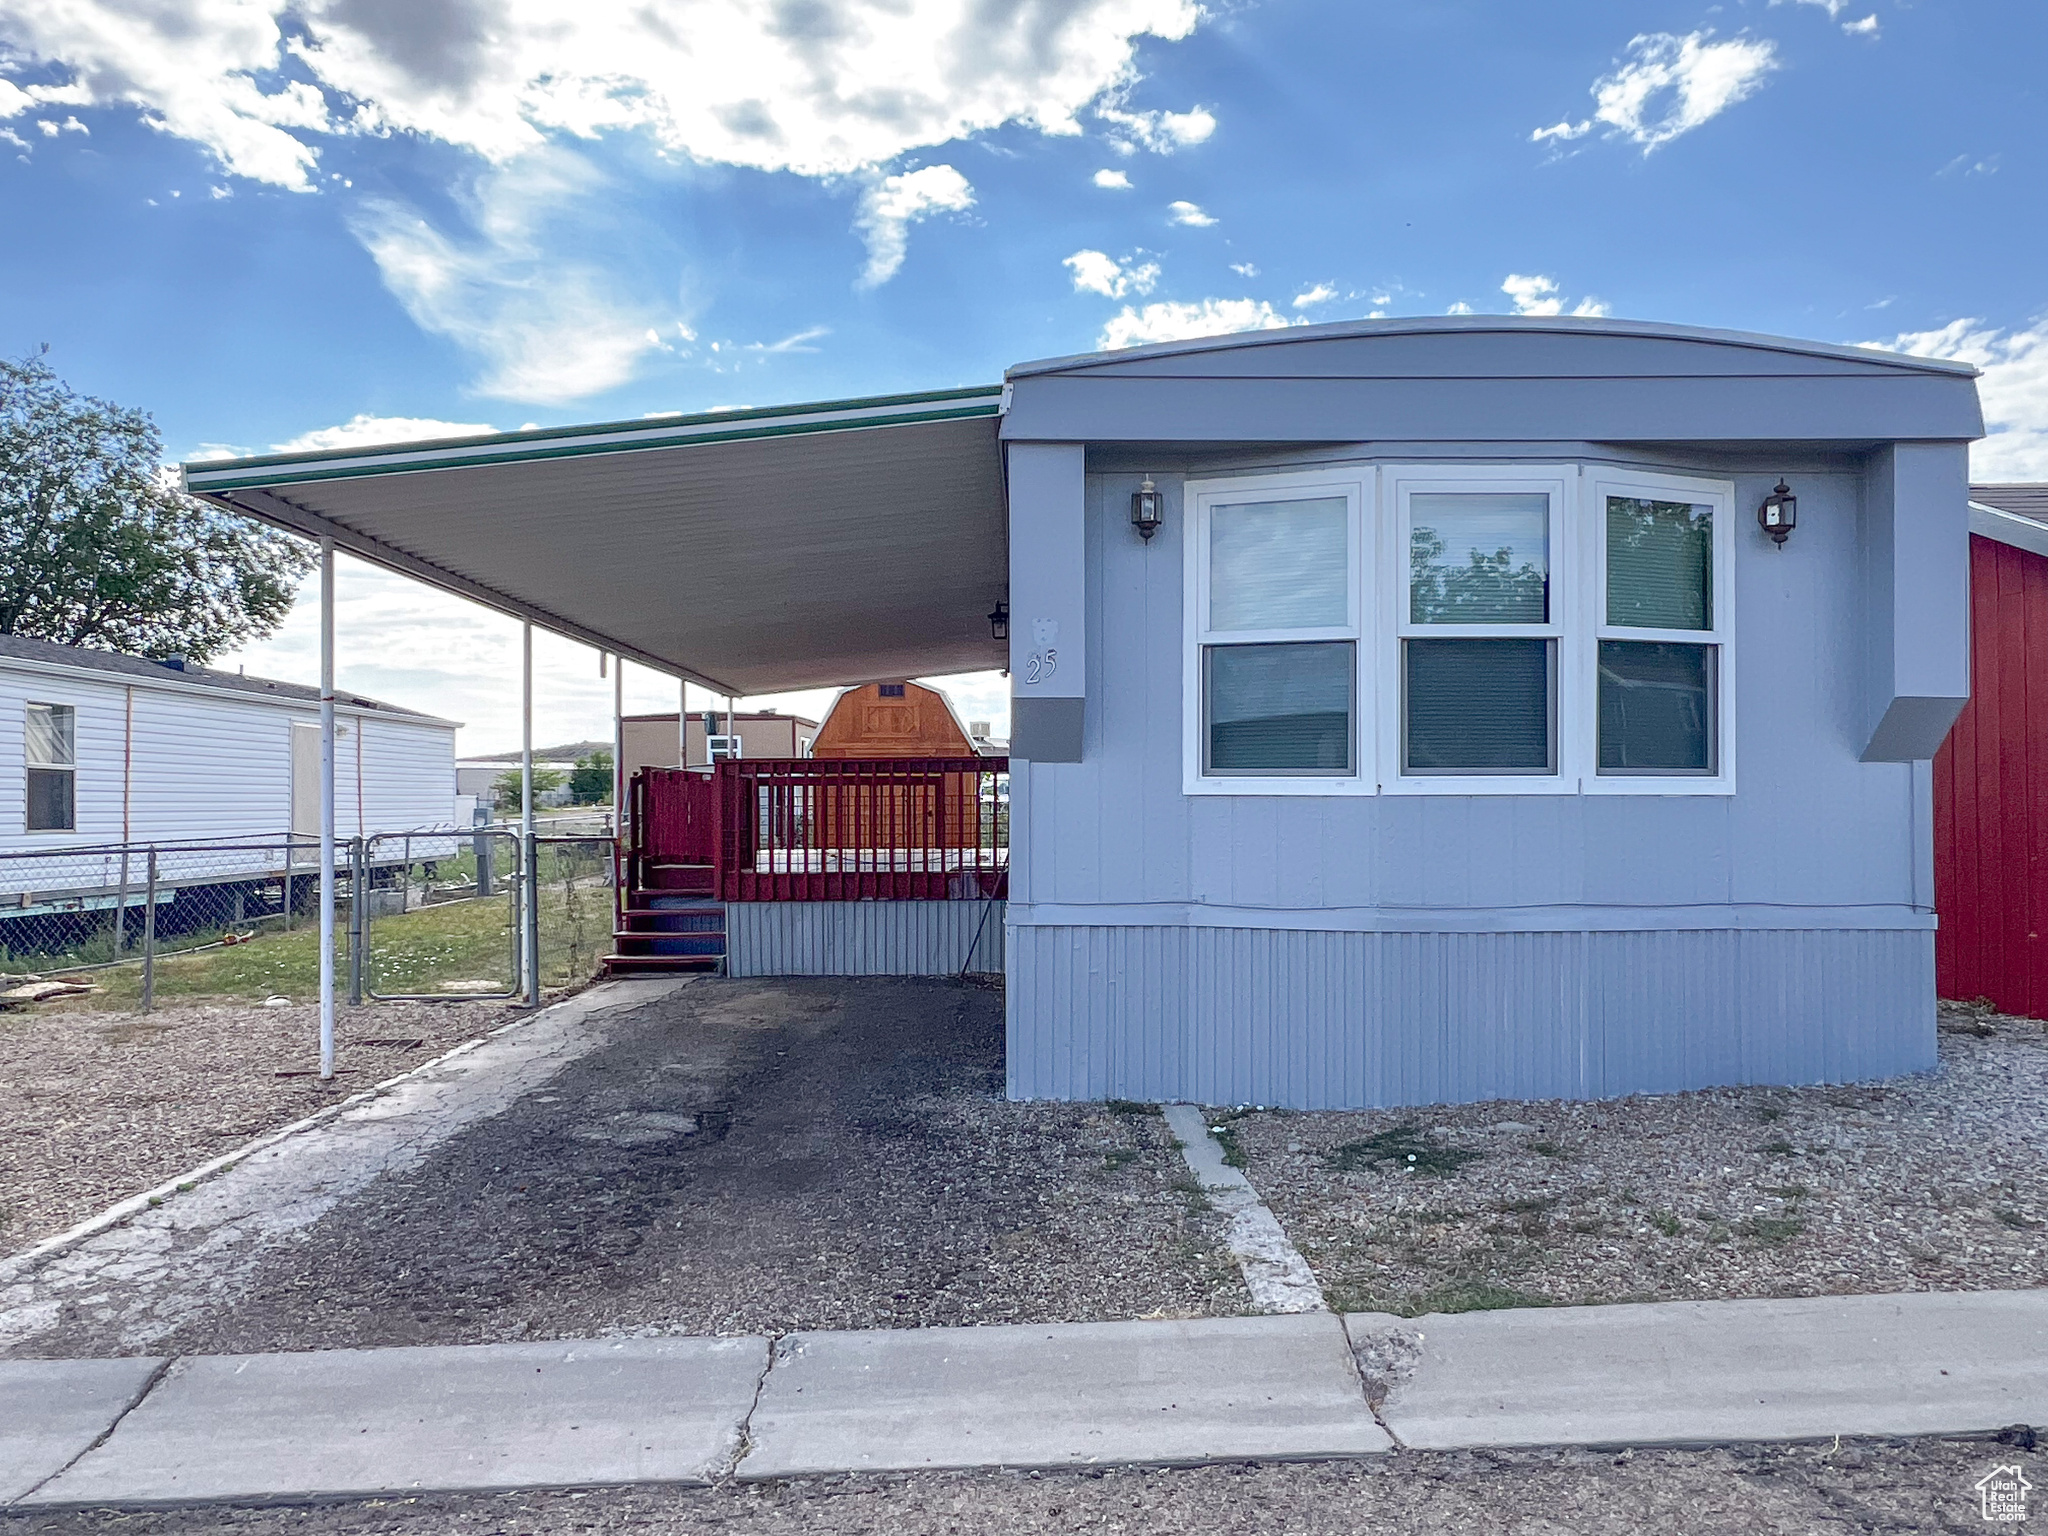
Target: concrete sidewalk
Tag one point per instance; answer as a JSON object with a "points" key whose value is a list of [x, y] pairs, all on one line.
{"points": [[1309, 1386]]}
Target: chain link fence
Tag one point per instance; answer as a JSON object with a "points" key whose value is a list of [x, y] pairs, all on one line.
{"points": [[433, 912]]}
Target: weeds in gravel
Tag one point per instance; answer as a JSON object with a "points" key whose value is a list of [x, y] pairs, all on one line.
{"points": [[1551, 1149], [1535, 1205], [1451, 1296], [1772, 1229], [1766, 1113], [1233, 1152], [1129, 1107], [1667, 1223], [1405, 1147], [2013, 1219], [1778, 1148], [1788, 1191], [1119, 1157]]}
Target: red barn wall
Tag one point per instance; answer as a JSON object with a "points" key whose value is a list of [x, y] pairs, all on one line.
{"points": [[1991, 794]]}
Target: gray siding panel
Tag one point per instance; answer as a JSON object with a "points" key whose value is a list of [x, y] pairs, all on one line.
{"points": [[1320, 1020], [862, 938]]}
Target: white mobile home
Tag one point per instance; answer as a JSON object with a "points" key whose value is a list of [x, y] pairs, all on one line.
{"points": [[99, 749]]}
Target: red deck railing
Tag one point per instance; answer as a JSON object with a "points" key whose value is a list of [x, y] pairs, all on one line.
{"points": [[804, 829]]}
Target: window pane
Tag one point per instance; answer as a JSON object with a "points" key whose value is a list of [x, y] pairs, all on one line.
{"points": [[1280, 708], [1476, 559], [1279, 565], [1656, 707], [1477, 706], [49, 735], [1660, 564], [49, 800]]}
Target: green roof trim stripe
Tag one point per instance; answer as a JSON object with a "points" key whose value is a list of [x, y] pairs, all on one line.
{"points": [[597, 438]]}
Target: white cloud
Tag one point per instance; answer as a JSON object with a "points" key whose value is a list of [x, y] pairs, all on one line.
{"points": [[1098, 272], [1459, 308], [1970, 165], [1867, 27], [894, 203], [1538, 295], [549, 324], [2014, 390], [1169, 321], [1665, 85], [363, 431], [1160, 132], [799, 341], [823, 87], [1188, 213], [1322, 293], [1113, 181], [1244, 269]]}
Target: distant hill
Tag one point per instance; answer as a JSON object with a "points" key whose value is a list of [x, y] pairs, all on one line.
{"points": [[569, 753]]}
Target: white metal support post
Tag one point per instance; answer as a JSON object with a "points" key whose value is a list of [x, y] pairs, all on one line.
{"points": [[529, 874], [618, 746], [682, 723], [326, 809]]}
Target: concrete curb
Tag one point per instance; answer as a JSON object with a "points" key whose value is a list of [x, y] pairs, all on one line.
{"points": [[357, 1423], [15, 1265]]}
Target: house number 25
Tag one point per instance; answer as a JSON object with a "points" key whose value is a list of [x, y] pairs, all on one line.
{"points": [[1041, 665]]}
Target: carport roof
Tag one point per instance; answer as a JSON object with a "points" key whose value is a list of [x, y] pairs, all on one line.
{"points": [[751, 551]]}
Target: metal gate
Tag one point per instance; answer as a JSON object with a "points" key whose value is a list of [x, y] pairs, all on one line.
{"points": [[435, 915]]}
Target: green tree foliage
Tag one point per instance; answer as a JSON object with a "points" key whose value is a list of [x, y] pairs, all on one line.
{"points": [[590, 781], [507, 787], [98, 548], [1487, 589]]}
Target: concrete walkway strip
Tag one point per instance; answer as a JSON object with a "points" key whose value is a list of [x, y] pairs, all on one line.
{"points": [[1679, 1373], [1274, 1271], [1211, 1389], [371, 1421], [52, 1412]]}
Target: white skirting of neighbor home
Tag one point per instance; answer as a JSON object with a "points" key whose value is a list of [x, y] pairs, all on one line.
{"points": [[1321, 1020], [863, 938]]}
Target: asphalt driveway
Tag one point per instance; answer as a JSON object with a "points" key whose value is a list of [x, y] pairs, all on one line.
{"points": [[748, 1156]]}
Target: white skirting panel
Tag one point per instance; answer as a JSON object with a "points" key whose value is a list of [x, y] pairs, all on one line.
{"points": [[1323, 1020], [862, 938]]}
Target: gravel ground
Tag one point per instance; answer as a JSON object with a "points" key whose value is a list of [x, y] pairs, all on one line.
{"points": [[1934, 1182], [751, 1156], [102, 1106], [1869, 1486]]}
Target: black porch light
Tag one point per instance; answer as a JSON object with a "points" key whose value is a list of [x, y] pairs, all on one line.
{"points": [[1779, 514], [999, 620], [1148, 509]]}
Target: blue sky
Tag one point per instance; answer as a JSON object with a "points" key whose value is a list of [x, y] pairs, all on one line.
{"points": [[273, 225]]}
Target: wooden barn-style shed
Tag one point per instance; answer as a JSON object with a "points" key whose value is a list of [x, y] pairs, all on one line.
{"points": [[892, 720], [1991, 777]]}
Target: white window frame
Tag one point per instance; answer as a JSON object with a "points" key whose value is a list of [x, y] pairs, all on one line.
{"points": [[1379, 496], [1600, 483], [1399, 485], [1356, 484], [28, 767]]}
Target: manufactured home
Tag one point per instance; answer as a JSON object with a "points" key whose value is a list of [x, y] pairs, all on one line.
{"points": [[1403, 711], [99, 751]]}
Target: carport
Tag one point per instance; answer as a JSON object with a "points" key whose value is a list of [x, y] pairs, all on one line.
{"points": [[748, 551]]}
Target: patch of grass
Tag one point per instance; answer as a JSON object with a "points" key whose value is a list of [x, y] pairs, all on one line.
{"points": [[1463, 1296], [1778, 1148], [1405, 1146], [1129, 1107], [1766, 1113], [1772, 1229], [1788, 1191], [1550, 1149], [1534, 1205], [1667, 1223], [2013, 1219], [1233, 1151], [1120, 1157]]}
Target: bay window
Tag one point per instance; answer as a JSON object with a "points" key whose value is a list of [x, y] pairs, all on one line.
{"points": [[1458, 629]]}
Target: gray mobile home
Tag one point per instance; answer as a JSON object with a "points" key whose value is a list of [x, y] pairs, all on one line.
{"points": [[1458, 732], [1403, 711]]}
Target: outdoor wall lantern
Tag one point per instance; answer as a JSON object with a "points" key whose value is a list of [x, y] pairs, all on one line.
{"points": [[1779, 514], [1148, 509], [999, 620]]}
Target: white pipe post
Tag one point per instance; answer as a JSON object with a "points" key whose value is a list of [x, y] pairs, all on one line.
{"points": [[326, 809], [529, 924], [618, 745], [682, 723]]}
